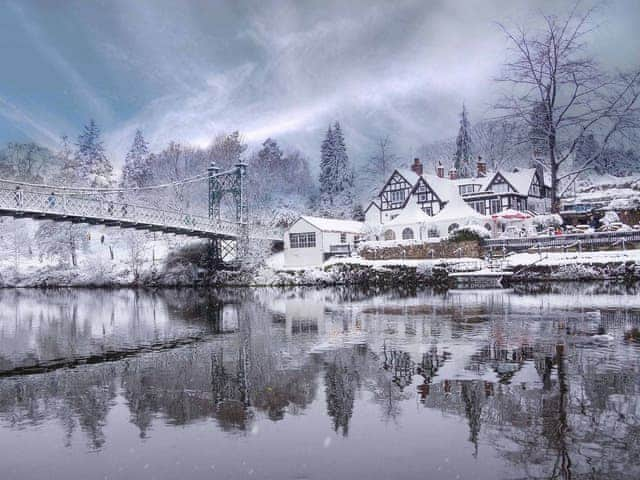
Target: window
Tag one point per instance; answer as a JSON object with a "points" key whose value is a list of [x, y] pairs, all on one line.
{"points": [[479, 206], [428, 211], [433, 232], [495, 206], [389, 235], [302, 240], [407, 234], [453, 226], [488, 226], [422, 197], [343, 238], [397, 196]]}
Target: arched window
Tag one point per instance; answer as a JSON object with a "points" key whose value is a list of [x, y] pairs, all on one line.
{"points": [[407, 234], [453, 226], [389, 235], [488, 226]]}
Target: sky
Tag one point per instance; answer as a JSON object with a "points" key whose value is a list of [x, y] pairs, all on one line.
{"points": [[189, 70]]}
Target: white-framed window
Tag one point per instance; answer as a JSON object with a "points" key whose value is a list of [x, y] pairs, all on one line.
{"points": [[343, 238], [389, 235], [302, 240], [407, 234], [428, 211], [397, 196], [495, 206], [433, 232]]}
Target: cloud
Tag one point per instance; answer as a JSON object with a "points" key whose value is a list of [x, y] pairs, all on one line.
{"points": [[25, 122], [95, 103], [187, 71]]}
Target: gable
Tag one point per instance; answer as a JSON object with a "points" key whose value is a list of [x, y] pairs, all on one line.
{"points": [[424, 192], [500, 184], [395, 192]]}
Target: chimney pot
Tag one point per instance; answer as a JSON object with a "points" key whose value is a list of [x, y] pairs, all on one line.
{"points": [[417, 166], [481, 167], [440, 169]]}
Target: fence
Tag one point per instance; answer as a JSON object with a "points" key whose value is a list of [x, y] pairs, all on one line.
{"points": [[582, 240]]}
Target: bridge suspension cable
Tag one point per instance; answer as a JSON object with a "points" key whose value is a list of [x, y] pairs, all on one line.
{"points": [[101, 191]]}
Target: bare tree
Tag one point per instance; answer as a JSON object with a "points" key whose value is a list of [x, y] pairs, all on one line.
{"points": [[380, 164], [551, 73]]}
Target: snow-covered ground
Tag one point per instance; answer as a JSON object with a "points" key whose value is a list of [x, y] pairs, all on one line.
{"points": [[108, 256]]}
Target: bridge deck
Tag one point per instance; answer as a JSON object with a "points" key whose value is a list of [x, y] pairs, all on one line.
{"points": [[98, 211]]}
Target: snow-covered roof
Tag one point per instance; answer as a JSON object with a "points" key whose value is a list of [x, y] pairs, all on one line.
{"points": [[409, 175], [445, 189], [334, 224], [520, 180], [457, 209], [411, 214]]}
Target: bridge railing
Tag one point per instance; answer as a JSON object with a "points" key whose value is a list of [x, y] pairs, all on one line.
{"points": [[104, 209]]}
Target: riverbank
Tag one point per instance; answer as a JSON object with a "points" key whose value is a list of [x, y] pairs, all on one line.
{"points": [[188, 268]]}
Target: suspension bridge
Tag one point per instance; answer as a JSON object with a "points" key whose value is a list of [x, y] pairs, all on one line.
{"points": [[106, 206]]}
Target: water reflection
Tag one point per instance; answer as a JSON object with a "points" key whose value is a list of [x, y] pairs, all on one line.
{"points": [[530, 375]]}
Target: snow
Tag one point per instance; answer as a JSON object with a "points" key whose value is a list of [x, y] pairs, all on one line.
{"points": [[334, 224], [275, 261], [572, 258]]}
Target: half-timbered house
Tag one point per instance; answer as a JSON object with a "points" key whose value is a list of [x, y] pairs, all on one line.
{"points": [[487, 193]]}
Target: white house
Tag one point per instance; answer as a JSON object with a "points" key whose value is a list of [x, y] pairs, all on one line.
{"points": [[311, 240]]}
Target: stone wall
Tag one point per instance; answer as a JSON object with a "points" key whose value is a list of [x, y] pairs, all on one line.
{"points": [[443, 249]]}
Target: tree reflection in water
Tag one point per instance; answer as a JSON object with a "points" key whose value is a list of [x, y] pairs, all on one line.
{"points": [[540, 392]]}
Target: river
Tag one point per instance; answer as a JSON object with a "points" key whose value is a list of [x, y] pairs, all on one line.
{"points": [[320, 383]]}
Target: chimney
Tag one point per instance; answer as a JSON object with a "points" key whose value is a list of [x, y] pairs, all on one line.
{"points": [[440, 169], [482, 167], [453, 174], [416, 167]]}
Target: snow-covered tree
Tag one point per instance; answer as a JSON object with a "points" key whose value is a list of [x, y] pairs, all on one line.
{"points": [[93, 167], [62, 241], [227, 149], [336, 175], [28, 162], [137, 169], [15, 241], [462, 159]]}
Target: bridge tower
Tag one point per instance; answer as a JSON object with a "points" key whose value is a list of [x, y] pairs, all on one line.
{"points": [[231, 182]]}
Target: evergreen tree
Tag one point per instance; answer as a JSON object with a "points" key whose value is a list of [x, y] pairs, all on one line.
{"points": [[587, 147], [462, 158], [93, 167], [137, 169], [538, 132], [336, 176]]}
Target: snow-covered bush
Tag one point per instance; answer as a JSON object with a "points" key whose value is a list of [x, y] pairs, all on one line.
{"points": [[610, 217], [550, 220], [469, 232]]}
